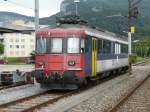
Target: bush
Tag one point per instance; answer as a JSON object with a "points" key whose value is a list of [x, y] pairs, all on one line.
{"points": [[1, 48], [12, 60], [134, 58]]}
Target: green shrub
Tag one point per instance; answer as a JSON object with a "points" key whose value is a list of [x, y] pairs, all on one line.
{"points": [[1, 48], [134, 58]]}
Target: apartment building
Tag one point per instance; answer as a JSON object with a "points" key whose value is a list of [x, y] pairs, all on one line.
{"points": [[19, 41], [18, 44]]}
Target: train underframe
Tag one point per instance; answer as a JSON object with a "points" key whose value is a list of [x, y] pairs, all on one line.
{"points": [[69, 81]]}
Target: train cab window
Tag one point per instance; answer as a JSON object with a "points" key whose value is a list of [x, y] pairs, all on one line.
{"points": [[41, 45], [56, 45], [106, 46], [73, 45], [82, 46]]}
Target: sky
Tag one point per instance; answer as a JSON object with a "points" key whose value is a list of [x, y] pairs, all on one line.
{"points": [[26, 7]]}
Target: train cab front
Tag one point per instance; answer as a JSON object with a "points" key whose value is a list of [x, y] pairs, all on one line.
{"points": [[60, 61]]}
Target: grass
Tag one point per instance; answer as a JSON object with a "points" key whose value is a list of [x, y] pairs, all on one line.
{"points": [[12, 60], [140, 59]]}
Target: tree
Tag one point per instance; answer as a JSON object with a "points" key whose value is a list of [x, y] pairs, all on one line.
{"points": [[32, 54], [1, 48]]}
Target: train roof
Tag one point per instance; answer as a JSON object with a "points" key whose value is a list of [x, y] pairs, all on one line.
{"points": [[81, 30]]}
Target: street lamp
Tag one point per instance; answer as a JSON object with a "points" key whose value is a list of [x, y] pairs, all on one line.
{"points": [[76, 2]]}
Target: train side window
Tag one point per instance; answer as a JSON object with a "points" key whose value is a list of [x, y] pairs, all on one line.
{"points": [[48, 45], [124, 48], [87, 45], [119, 49], [100, 46], [115, 48], [106, 47], [82, 45]]}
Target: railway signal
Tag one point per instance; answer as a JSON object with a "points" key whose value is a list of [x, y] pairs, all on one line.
{"points": [[132, 13]]}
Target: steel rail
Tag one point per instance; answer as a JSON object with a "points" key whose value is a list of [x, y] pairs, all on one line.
{"points": [[20, 100], [141, 63], [51, 101]]}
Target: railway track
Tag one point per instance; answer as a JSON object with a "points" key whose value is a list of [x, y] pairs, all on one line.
{"points": [[34, 102], [142, 63], [11, 86], [127, 96], [29, 104]]}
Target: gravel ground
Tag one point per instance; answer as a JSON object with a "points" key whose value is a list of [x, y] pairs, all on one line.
{"points": [[102, 97], [139, 101], [12, 94]]}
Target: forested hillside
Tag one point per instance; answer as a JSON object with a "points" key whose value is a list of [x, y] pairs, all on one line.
{"points": [[102, 13]]}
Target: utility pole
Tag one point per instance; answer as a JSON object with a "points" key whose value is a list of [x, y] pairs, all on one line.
{"points": [[36, 15], [36, 24], [132, 13], [129, 35]]}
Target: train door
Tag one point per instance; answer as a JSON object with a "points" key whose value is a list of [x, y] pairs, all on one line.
{"points": [[94, 56]]}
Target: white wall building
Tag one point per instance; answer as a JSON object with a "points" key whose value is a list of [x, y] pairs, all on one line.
{"points": [[1, 38], [19, 44]]}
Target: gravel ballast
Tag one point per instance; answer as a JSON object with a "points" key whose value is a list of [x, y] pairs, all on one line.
{"points": [[12, 94], [139, 101], [102, 97]]}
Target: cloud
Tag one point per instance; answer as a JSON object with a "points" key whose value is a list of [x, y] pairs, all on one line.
{"points": [[17, 9], [47, 7]]}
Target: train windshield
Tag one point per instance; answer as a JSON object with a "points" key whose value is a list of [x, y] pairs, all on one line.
{"points": [[73, 45], [41, 45], [56, 45]]}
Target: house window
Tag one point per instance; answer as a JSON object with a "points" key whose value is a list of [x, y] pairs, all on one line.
{"points": [[17, 46], [17, 40], [22, 40], [11, 46], [22, 46]]}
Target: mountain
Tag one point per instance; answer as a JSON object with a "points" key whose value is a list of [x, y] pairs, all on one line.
{"points": [[6, 17], [107, 14]]}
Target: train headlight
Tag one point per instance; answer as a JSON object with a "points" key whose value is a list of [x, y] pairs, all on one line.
{"points": [[71, 63]]}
